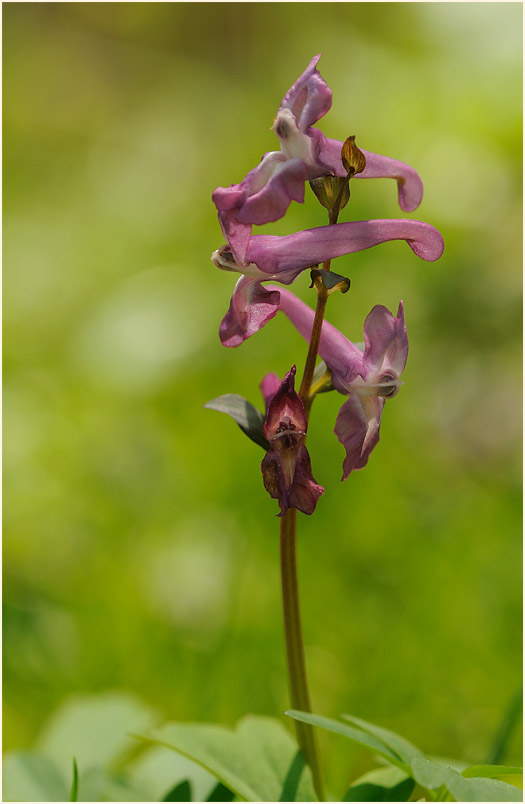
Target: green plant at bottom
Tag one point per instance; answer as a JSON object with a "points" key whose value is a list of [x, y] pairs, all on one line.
{"points": [[108, 748]]}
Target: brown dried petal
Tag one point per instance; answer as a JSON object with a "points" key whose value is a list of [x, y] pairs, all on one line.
{"points": [[353, 159]]}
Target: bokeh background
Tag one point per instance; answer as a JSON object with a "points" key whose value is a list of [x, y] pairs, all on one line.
{"points": [[140, 548]]}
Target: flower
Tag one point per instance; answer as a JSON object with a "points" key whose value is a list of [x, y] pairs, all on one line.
{"points": [[282, 258], [367, 377], [305, 153], [286, 468]]}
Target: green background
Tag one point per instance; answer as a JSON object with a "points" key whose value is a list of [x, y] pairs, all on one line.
{"points": [[140, 548]]}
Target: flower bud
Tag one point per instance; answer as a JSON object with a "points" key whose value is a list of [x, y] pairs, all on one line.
{"points": [[328, 188], [353, 159]]}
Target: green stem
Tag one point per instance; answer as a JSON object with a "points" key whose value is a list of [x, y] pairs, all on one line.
{"points": [[315, 337], [297, 683], [333, 214]]}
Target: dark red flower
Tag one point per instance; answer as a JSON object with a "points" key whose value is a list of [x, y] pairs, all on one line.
{"points": [[286, 468]]}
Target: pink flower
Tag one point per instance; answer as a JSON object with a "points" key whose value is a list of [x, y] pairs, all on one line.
{"points": [[305, 153], [367, 377], [286, 468], [281, 259]]}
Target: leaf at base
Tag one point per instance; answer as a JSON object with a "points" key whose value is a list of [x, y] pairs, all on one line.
{"points": [[30, 777], [382, 784], [361, 737], [181, 792], [397, 744], [255, 761], [432, 775], [221, 793]]}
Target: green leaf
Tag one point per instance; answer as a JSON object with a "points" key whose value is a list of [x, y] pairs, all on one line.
{"points": [[95, 729], [158, 770], [181, 792], [457, 764], [74, 784], [293, 777], [492, 771], [221, 793], [249, 419], [99, 784], [257, 761], [30, 777], [358, 736], [502, 772], [432, 775], [397, 744], [382, 784], [511, 718]]}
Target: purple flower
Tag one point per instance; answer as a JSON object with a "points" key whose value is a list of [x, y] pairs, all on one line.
{"points": [[286, 468], [281, 259], [305, 153], [367, 377]]}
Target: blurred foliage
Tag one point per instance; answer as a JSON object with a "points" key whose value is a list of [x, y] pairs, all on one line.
{"points": [[140, 548]]}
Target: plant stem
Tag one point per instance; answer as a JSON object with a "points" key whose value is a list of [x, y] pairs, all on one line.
{"points": [[315, 337], [297, 683]]}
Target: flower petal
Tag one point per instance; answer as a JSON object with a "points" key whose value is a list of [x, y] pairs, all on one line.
{"points": [[269, 385], [236, 234], [287, 256], [344, 359], [357, 428], [271, 201], [251, 307], [386, 342], [309, 98], [409, 184], [286, 403], [303, 492], [263, 196], [274, 481]]}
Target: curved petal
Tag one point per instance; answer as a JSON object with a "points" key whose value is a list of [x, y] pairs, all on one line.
{"points": [[357, 428], [309, 98], [409, 184], [263, 196], [235, 195], [270, 203], [236, 234], [386, 342], [342, 357], [230, 197], [317, 167], [258, 199], [289, 255], [251, 307]]}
